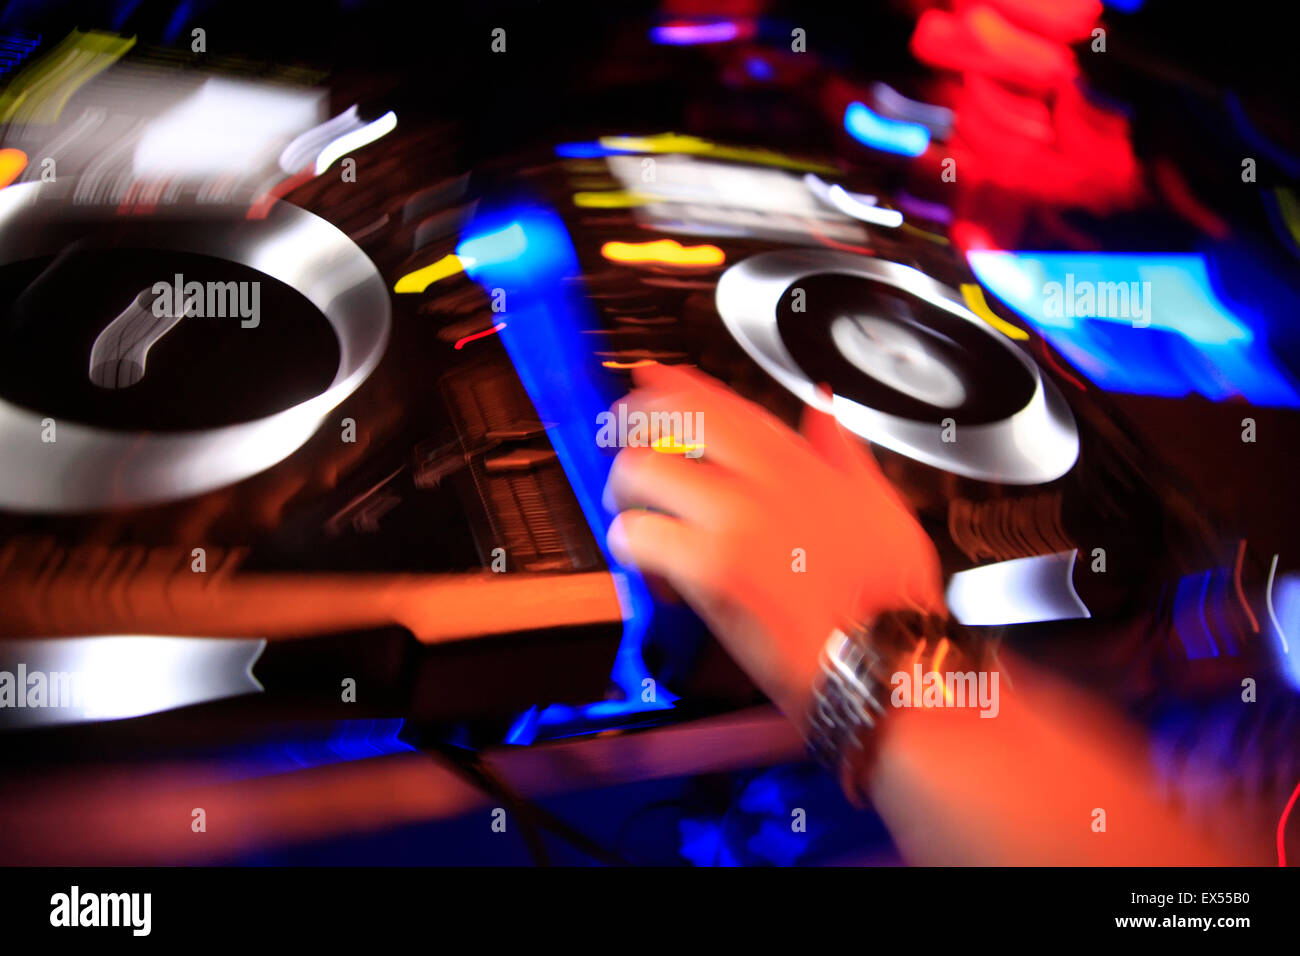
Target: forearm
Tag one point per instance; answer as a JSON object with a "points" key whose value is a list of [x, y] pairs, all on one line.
{"points": [[1028, 787], [778, 539]]}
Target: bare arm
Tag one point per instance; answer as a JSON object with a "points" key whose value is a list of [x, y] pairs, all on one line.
{"points": [[1031, 787], [776, 537]]}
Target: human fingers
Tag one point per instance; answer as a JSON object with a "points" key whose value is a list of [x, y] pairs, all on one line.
{"points": [[732, 433], [669, 482], [661, 545]]}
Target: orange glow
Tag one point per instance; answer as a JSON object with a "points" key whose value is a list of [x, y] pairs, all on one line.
{"points": [[639, 363], [940, 652], [916, 654], [911, 665], [663, 251], [12, 163]]}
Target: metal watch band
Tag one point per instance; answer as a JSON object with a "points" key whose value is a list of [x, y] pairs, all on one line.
{"points": [[851, 694], [849, 701]]}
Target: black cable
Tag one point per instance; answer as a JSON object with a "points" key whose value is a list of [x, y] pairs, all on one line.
{"points": [[534, 818], [548, 820], [466, 764]]}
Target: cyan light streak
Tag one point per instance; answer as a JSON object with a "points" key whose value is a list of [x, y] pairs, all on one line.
{"points": [[885, 134]]}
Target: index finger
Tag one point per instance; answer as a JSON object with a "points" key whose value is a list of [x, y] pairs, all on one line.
{"points": [[735, 432]]}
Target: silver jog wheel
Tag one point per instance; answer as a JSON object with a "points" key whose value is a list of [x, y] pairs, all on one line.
{"points": [[89, 468], [1034, 442]]}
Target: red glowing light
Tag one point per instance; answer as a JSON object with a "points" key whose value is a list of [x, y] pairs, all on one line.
{"points": [[479, 335], [1281, 826]]}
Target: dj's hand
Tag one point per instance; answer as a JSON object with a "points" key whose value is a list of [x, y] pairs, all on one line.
{"points": [[773, 537]]}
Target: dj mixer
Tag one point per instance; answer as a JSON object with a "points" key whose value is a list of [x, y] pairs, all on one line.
{"points": [[1044, 258]]}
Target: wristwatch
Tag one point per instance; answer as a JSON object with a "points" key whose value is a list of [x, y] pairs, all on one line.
{"points": [[851, 694]]}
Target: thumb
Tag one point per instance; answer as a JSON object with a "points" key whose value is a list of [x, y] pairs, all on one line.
{"points": [[832, 441]]}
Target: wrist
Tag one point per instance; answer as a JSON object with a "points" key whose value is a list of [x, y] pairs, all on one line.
{"points": [[850, 701]]}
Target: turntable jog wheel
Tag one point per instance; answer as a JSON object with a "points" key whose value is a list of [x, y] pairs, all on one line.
{"points": [[902, 354], [89, 466]]}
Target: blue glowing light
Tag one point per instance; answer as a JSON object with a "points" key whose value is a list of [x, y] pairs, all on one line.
{"points": [[14, 49], [180, 16], [122, 12], [1190, 623], [702, 843], [885, 134], [1144, 323], [1285, 601], [690, 34], [589, 150], [524, 729], [1251, 133], [346, 740], [758, 68], [527, 251]]}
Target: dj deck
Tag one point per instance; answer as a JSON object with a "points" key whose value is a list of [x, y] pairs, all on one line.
{"points": [[308, 322]]}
